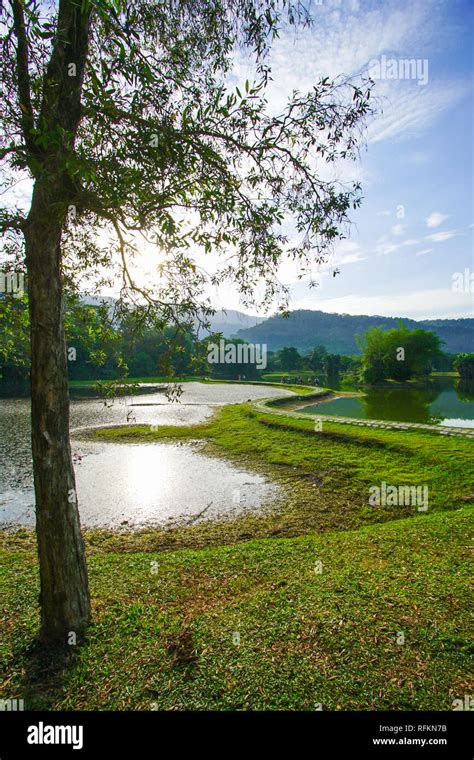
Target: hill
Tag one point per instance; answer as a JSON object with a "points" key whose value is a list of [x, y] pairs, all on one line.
{"points": [[225, 321], [230, 321], [305, 329]]}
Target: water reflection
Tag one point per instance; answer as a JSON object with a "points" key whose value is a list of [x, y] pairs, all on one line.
{"points": [[465, 389], [443, 400], [396, 403], [132, 483], [152, 484]]}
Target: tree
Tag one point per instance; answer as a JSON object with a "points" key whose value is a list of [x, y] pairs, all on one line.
{"points": [[398, 354], [332, 364], [152, 350], [93, 341], [120, 115], [14, 338], [289, 358], [464, 364], [317, 358]]}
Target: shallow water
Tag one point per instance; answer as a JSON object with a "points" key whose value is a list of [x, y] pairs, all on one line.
{"points": [[135, 485]]}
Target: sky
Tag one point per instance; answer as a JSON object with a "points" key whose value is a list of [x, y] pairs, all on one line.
{"points": [[409, 251], [411, 241]]}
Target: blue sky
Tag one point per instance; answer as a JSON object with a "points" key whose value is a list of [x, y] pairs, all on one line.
{"points": [[414, 230]]}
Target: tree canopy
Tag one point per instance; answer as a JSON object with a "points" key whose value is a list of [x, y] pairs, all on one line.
{"points": [[398, 354], [166, 150], [464, 364]]}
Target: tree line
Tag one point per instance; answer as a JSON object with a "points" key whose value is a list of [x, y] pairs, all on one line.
{"points": [[104, 346]]}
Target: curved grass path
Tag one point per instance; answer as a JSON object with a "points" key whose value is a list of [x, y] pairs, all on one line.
{"points": [[325, 474], [274, 406]]}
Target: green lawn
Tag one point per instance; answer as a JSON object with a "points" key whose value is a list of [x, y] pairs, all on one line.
{"points": [[165, 624], [384, 625]]}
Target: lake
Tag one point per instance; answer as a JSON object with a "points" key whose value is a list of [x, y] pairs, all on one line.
{"points": [[137, 485], [440, 401]]}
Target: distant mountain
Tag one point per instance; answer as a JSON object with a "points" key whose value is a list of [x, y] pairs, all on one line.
{"points": [[99, 301], [305, 329], [229, 322]]}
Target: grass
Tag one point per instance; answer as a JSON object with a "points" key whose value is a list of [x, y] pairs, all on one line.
{"points": [[167, 606], [165, 624], [325, 476]]}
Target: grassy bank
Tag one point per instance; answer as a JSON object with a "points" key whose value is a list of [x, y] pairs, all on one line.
{"points": [[382, 626], [333, 601], [325, 476]]}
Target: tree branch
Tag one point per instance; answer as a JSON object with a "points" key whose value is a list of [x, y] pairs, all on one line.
{"points": [[23, 74], [61, 102], [11, 149], [8, 222]]}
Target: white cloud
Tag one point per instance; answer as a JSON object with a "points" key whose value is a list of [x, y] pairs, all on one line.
{"points": [[383, 249], [423, 252], [440, 237], [436, 218], [409, 109], [345, 42], [351, 259], [398, 229], [385, 246], [347, 252], [436, 303]]}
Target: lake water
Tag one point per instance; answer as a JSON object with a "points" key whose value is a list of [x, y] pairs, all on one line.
{"points": [[137, 485], [441, 401]]}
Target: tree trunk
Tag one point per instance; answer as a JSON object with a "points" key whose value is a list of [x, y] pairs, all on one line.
{"points": [[65, 606]]}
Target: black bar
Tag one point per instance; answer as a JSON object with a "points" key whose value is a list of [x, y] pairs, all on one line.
{"points": [[312, 734]]}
